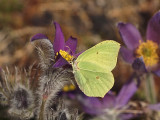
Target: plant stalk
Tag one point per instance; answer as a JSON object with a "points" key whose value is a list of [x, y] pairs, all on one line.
{"points": [[150, 89]]}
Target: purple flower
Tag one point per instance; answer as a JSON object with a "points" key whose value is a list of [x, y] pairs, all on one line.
{"points": [[112, 106], [136, 47], [59, 44], [155, 107]]}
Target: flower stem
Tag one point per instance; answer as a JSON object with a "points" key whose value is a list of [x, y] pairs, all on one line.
{"points": [[150, 88], [41, 113]]}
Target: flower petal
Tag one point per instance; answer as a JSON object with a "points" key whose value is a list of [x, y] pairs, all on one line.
{"points": [[60, 62], [139, 65], [154, 107], [153, 28], [127, 54], [71, 45], [130, 35], [127, 116], [92, 105], [157, 72], [59, 40], [109, 100], [127, 91], [38, 36], [76, 55]]}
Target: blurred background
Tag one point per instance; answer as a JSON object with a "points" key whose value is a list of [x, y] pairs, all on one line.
{"points": [[91, 21]]}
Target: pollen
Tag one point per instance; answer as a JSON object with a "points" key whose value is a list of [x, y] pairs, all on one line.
{"points": [[148, 50], [56, 55], [66, 55], [72, 87], [68, 88]]}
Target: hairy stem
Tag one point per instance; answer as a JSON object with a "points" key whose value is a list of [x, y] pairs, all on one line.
{"points": [[41, 113]]}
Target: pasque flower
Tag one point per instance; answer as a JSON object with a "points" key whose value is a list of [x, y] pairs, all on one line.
{"points": [[17, 95], [67, 49], [136, 47], [112, 106], [54, 77]]}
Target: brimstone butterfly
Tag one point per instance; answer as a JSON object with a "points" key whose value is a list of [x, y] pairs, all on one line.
{"points": [[92, 69]]}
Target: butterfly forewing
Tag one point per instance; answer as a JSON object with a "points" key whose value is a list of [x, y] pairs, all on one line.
{"points": [[94, 84], [103, 54]]}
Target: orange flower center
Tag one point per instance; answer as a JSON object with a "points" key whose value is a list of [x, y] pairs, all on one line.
{"points": [[148, 50]]}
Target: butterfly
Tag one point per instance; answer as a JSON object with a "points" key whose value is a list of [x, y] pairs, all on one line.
{"points": [[92, 69]]}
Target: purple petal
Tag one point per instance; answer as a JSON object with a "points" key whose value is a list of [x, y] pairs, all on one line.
{"points": [[153, 28], [127, 54], [109, 100], [96, 106], [38, 36], [130, 35], [157, 72], [76, 55], [71, 45], [127, 116], [60, 62], [92, 105], [59, 40], [154, 107], [71, 95], [127, 91], [139, 65]]}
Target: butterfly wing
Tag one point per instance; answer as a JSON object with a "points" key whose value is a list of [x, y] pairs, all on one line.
{"points": [[92, 69], [103, 54], [94, 84]]}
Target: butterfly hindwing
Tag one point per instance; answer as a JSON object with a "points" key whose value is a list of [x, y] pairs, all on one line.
{"points": [[93, 83]]}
